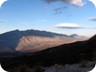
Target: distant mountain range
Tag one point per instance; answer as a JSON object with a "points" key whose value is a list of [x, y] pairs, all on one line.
{"points": [[78, 38], [34, 40]]}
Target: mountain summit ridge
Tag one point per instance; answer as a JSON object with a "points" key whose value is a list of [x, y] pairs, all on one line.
{"points": [[29, 40]]}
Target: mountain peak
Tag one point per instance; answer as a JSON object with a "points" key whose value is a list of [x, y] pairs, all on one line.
{"points": [[73, 35], [32, 39]]}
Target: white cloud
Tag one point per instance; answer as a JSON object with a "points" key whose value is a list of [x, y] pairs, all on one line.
{"points": [[76, 2], [68, 25], [72, 26], [73, 2]]}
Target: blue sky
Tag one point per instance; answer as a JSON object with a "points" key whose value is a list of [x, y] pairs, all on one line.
{"points": [[64, 17]]}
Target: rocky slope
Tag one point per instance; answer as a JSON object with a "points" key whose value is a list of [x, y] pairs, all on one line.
{"points": [[37, 43]]}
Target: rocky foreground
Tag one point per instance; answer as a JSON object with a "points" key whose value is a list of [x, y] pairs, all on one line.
{"points": [[71, 68], [81, 67]]}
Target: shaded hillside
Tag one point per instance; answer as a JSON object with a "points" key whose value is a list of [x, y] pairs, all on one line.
{"points": [[63, 54]]}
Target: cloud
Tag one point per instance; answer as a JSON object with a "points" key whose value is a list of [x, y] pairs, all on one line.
{"points": [[60, 9], [73, 2], [92, 19], [72, 26], [3, 21]]}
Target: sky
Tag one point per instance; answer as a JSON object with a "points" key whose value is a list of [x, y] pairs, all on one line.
{"points": [[60, 16]]}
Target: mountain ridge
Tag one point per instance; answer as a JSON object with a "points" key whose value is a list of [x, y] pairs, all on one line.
{"points": [[14, 39]]}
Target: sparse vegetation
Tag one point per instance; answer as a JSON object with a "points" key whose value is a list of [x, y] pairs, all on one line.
{"points": [[84, 63]]}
